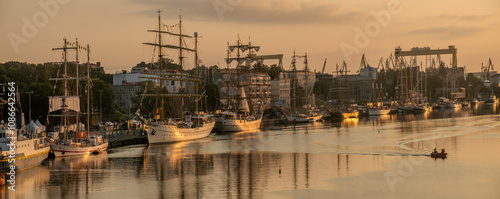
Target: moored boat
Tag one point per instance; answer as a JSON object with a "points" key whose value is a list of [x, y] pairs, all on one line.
{"points": [[190, 125], [30, 150], [438, 155]]}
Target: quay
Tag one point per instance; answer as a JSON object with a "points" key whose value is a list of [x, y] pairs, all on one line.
{"points": [[124, 138]]}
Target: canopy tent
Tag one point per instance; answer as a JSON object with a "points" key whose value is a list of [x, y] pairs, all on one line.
{"points": [[33, 127]]}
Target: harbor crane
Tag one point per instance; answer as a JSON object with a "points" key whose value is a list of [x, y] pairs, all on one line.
{"points": [[486, 70], [324, 65]]}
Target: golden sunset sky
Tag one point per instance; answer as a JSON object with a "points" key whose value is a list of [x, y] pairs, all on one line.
{"points": [[116, 29]]}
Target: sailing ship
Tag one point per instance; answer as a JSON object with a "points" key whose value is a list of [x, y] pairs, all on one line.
{"points": [[76, 139], [30, 148], [229, 121], [190, 125], [341, 106], [310, 114], [377, 95], [240, 118]]}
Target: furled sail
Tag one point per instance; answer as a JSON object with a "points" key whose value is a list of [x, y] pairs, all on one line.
{"points": [[64, 102]]}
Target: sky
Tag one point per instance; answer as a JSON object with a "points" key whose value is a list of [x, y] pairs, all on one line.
{"points": [[324, 29]]}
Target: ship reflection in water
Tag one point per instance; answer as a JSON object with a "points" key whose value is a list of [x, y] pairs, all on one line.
{"points": [[374, 157]]}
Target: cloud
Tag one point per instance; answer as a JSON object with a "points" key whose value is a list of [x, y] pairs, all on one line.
{"points": [[259, 11], [448, 32], [464, 17]]}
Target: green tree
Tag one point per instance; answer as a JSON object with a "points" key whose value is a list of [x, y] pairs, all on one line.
{"points": [[322, 88], [107, 95], [274, 71], [260, 68], [213, 96]]}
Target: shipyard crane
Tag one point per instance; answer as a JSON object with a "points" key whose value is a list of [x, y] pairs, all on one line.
{"points": [[486, 70], [324, 65], [364, 62], [381, 63]]}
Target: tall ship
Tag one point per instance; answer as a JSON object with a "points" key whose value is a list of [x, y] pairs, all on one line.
{"points": [[30, 148], [340, 96], [309, 113], [377, 107], [189, 125], [71, 137], [238, 117]]}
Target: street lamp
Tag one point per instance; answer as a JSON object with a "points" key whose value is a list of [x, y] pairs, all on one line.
{"points": [[100, 104]]}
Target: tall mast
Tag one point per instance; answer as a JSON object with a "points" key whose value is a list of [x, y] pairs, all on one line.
{"points": [[306, 78], [238, 68], [160, 57], [65, 119], [88, 89], [181, 91], [77, 65], [170, 76], [65, 79], [294, 82], [196, 65], [227, 81]]}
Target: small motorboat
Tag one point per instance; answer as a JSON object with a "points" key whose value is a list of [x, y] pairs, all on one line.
{"points": [[438, 155]]}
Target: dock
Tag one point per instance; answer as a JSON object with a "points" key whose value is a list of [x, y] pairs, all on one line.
{"points": [[125, 138]]}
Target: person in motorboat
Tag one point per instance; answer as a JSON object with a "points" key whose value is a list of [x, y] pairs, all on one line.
{"points": [[435, 151]]}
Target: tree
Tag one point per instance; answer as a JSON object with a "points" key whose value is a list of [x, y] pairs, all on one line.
{"points": [[274, 71], [260, 68], [322, 88], [213, 96], [108, 95]]}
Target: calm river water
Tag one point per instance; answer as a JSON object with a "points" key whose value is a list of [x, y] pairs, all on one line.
{"points": [[372, 157]]}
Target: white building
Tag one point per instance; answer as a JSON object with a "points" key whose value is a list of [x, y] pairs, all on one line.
{"points": [[280, 92], [257, 87], [301, 79], [125, 85]]}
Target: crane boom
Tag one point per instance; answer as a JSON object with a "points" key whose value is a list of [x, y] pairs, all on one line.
{"points": [[324, 65]]}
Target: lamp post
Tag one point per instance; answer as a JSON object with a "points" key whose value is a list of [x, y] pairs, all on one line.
{"points": [[100, 104], [29, 120]]}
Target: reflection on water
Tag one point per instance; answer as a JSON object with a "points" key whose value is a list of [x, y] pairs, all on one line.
{"points": [[346, 158]]}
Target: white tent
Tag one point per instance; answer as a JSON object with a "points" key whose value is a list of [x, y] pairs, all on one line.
{"points": [[40, 125], [32, 127]]}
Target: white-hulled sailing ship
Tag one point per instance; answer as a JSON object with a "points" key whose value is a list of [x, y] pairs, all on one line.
{"points": [[71, 139], [230, 121], [310, 114], [188, 126], [238, 118], [30, 148]]}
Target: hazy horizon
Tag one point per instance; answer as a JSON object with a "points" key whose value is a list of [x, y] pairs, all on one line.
{"points": [[116, 29]]}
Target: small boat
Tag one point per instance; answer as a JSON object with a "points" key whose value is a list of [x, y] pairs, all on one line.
{"points": [[438, 155]]}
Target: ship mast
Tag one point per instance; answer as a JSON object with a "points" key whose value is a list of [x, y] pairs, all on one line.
{"points": [[89, 89], [294, 60], [181, 90], [171, 76], [160, 57], [65, 79]]}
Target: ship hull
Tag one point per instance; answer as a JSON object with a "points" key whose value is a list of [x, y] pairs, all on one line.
{"points": [[237, 125], [373, 112], [158, 134], [25, 162], [298, 120], [64, 151], [354, 114]]}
